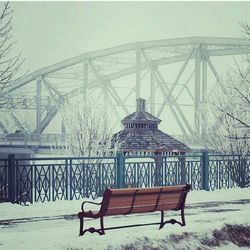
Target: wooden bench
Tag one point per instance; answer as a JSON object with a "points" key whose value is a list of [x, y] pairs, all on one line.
{"points": [[137, 200]]}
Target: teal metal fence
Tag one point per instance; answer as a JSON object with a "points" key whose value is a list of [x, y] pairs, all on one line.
{"points": [[50, 179]]}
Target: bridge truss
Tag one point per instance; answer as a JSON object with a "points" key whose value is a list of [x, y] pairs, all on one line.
{"points": [[175, 76]]}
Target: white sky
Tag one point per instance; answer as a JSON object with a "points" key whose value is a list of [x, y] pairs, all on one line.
{"points": [[48, 32]]}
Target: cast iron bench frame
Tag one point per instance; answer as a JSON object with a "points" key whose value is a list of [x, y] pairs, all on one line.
{"points": [[111, 193]]}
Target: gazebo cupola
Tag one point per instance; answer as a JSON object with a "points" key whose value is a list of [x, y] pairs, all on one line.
{"points": [[140, 119], [141, 136]]}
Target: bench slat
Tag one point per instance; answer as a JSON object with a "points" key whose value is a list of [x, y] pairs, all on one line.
{"points": [[127, 191]]}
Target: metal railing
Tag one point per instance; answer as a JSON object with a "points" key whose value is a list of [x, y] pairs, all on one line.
{"points": [[50, 179]]}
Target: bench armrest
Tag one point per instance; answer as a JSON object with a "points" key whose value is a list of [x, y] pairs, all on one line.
{"points": [[90, 202]]}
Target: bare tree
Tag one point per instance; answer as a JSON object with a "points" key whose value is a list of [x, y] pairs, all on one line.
{"points": [[88, 131], [9, 64], [228, 118]]}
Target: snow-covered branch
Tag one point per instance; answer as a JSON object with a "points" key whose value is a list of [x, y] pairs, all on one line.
{"points": [[9, 64], [88, 131]]}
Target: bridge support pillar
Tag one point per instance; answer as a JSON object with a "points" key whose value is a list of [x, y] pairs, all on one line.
{"points": [[38, 108], [85, 81], [197, 91], [152, 92], [204, 97], [138, 73]]}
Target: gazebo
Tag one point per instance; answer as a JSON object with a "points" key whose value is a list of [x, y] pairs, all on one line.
{"points": [[141, 136]]}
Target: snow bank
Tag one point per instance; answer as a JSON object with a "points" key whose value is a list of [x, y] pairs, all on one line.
{"points": [[62, 233]]}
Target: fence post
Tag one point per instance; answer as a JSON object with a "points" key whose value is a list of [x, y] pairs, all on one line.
{"points": [[11, 178], [66, 179], [242, 172], [205, 170], [70, 180], [184, 177], [158, 176], [120, 164]]}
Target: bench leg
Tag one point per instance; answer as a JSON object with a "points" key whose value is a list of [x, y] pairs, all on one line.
{"points": [[183, 217], [162, 220], [80, 216], [102, 227], [172, 221], [91, 229]]}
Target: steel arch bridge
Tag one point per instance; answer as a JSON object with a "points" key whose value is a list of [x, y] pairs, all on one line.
{"points": [[174, 75]]}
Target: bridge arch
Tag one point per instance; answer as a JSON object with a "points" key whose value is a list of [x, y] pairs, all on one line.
{"points": [[174, 75]]}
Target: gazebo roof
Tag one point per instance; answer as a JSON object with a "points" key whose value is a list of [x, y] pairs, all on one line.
{"points": [[141, 133], [140, 117], [149, 140]]}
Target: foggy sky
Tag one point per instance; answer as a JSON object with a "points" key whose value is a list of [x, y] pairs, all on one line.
{"points": [[49, 32]]}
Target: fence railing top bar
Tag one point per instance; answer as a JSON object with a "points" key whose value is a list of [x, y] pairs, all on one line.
{"points": [[64, 158], [225, 155], [162, 156], [187, 156]]}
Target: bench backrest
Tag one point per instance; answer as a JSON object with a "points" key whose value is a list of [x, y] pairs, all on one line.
{"points": [[141, 200]]}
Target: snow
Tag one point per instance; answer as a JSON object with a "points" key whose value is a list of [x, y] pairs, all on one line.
{"points": [[54, 225]]}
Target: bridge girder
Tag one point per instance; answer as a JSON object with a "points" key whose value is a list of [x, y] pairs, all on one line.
{"points": [[97, 71]]}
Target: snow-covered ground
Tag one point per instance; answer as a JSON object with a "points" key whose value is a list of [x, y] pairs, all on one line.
{"points": [[212, 219]]}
